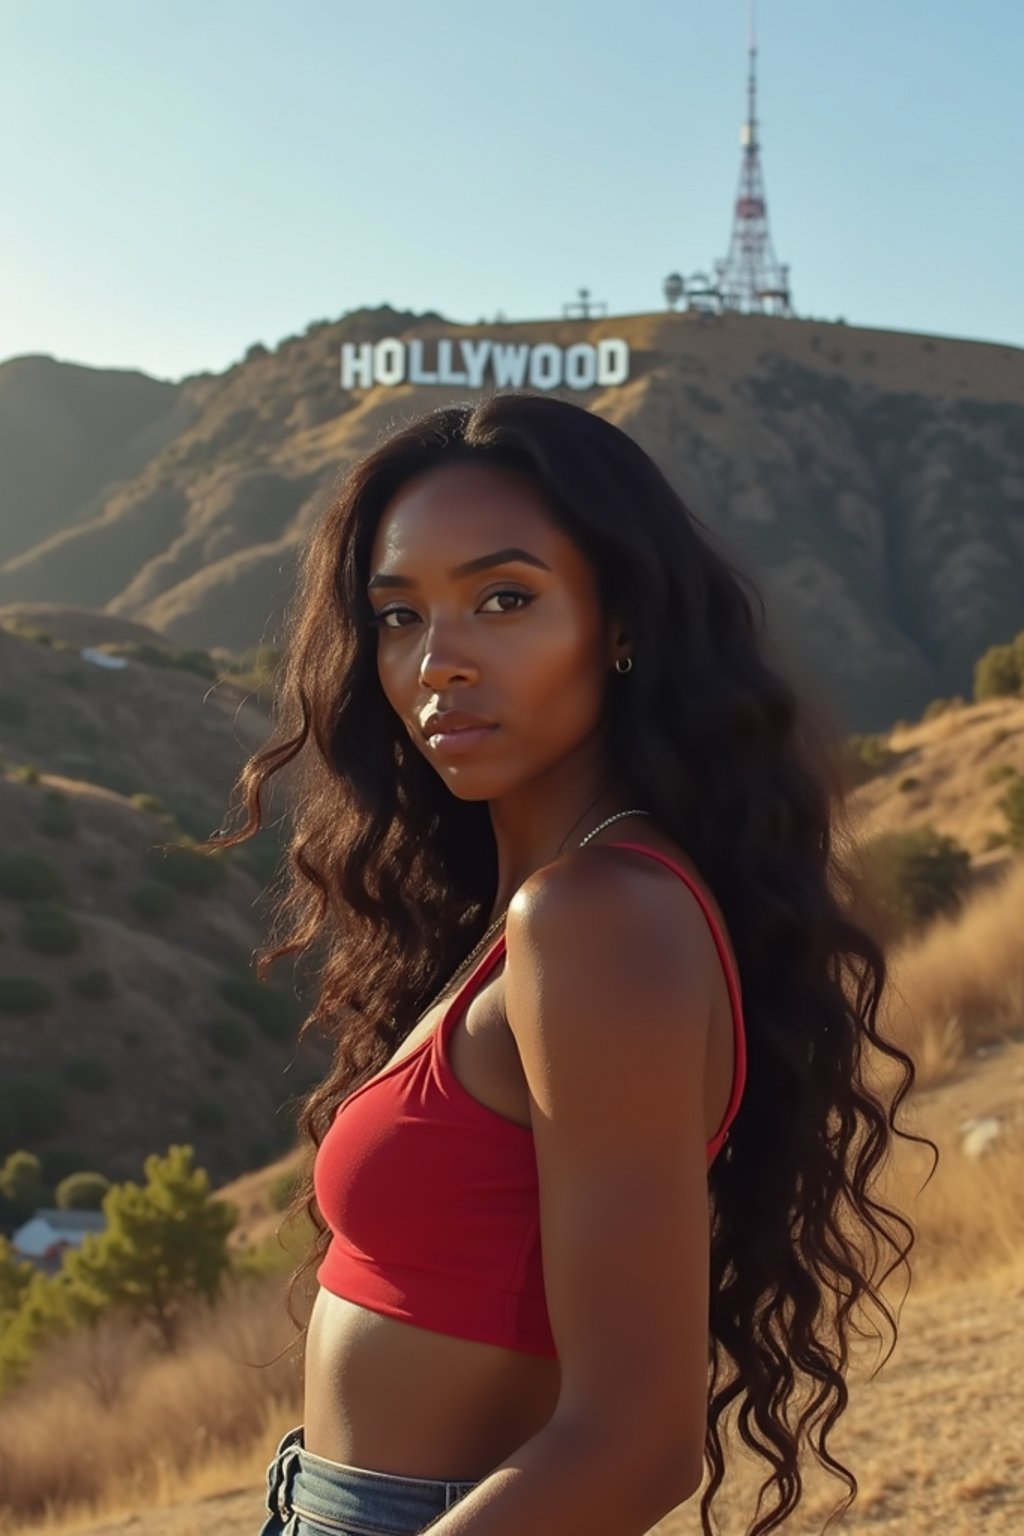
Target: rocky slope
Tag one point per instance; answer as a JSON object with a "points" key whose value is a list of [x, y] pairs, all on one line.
{"points": [[873, 481]]}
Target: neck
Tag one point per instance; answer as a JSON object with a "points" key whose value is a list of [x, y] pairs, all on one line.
{"points": [[538, 821]]}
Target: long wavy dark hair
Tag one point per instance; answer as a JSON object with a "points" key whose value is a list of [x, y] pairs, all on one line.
{"points": [[388, 879]]}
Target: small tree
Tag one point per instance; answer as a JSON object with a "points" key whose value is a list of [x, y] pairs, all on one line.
{"points": [[916, 875], [22, 1189], [83, 1191], [164, 1241], [1000, 671]]}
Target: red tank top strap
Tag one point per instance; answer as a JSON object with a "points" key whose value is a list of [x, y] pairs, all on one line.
{"points": [[732, 981]]}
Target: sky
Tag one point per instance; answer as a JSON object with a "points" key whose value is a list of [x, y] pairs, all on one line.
{"points": [[182, 178]]}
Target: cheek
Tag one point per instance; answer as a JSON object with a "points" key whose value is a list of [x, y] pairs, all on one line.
{"points": [[558, 674]]}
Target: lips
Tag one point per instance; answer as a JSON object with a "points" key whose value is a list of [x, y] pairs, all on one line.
{"points": [[450, 721]]}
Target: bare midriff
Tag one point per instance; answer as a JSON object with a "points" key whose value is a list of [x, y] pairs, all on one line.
{"points": [[386, 1395]]}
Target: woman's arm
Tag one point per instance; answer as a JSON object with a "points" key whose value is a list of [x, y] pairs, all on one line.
{"points": [[608, 988]]}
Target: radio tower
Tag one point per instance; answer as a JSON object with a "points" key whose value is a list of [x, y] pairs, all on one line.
{"points": [[750, 279]]}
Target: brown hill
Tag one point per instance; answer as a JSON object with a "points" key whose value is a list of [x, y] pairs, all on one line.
{"points": [[131, 1017], [874, 481]]}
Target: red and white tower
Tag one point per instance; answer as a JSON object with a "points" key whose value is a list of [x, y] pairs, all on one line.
{"points": [[750, 279]]}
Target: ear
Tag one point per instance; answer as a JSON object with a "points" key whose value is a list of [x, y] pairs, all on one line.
{"points": [[617, 641]]}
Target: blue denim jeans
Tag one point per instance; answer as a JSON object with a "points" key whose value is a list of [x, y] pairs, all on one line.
{"points": [[309, 1496]]}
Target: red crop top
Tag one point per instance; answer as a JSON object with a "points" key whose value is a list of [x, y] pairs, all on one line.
{"points": [[432, 1197]]}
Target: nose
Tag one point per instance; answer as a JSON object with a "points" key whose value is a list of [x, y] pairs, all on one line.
{"points": [[441, 665]]}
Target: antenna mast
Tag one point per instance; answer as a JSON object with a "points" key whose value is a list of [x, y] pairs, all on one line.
{"points": [[750, 279]]}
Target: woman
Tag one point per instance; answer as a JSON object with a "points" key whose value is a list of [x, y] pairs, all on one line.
{"points": [[564, 849]]}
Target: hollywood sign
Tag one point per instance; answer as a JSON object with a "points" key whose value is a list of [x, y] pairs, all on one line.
{"points": [[509, 365]]}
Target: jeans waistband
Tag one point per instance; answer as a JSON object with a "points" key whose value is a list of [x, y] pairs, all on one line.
{"points": [[355, 1497]]}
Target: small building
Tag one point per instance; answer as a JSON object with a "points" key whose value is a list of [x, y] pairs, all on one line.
{"points": [[45, 1237]]}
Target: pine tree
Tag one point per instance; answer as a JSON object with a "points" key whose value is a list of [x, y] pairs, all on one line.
{"points": [[164, 1241]]}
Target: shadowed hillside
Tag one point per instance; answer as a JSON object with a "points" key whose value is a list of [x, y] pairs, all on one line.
{"points": [[130, 1017], [873, 481]]}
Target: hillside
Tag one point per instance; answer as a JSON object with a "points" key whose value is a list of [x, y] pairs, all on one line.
{"points": [[130, 1015], [873, 481]]}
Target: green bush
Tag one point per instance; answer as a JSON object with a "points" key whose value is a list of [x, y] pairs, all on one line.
{"points": [[82, 1191], [153, 903], [229, 1035], [24, 994], [95, 984], [208, 1115], [995, 773], [916, 875], [909, 783], [1000, 671], [51, 930], [271, 1011], [995, 840], [197, 874], [1012, 807], [146, 802], [30, 877], [26, 773], [283, 1188], [14, 710], [866, 756], [88, 1073]]}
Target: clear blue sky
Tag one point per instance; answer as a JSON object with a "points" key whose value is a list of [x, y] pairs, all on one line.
{"points": [[181, 178]]}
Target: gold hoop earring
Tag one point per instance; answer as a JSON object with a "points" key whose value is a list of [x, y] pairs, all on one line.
{"points": [[628, 664]]}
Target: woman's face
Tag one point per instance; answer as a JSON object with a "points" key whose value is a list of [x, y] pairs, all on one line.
{"points": [[484, 605]]}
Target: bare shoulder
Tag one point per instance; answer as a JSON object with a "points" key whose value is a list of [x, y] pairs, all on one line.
{"points": [[627, 910], [603, 941]]}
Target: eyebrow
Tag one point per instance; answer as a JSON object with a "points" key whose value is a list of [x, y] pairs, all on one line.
{"points": [[468, 568]]}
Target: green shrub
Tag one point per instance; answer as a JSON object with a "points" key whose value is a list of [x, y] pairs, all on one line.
{"points": [[14, 710], [283, 1188], [153, 903], [26, 773], [229, 1035], [146, 802], [909, 783], [94, 984], [866, 756], [186, 870], [995, 773], [995, 840], [83, 1191], [1012, 807], [1000, 671], [30, 877], [916, 875], [87, 1072], [24, 994], [51, 930], [271, 1011], [208, 1115]]}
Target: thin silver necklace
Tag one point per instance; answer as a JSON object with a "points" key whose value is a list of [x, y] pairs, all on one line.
{"points": [[482, 942]]}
